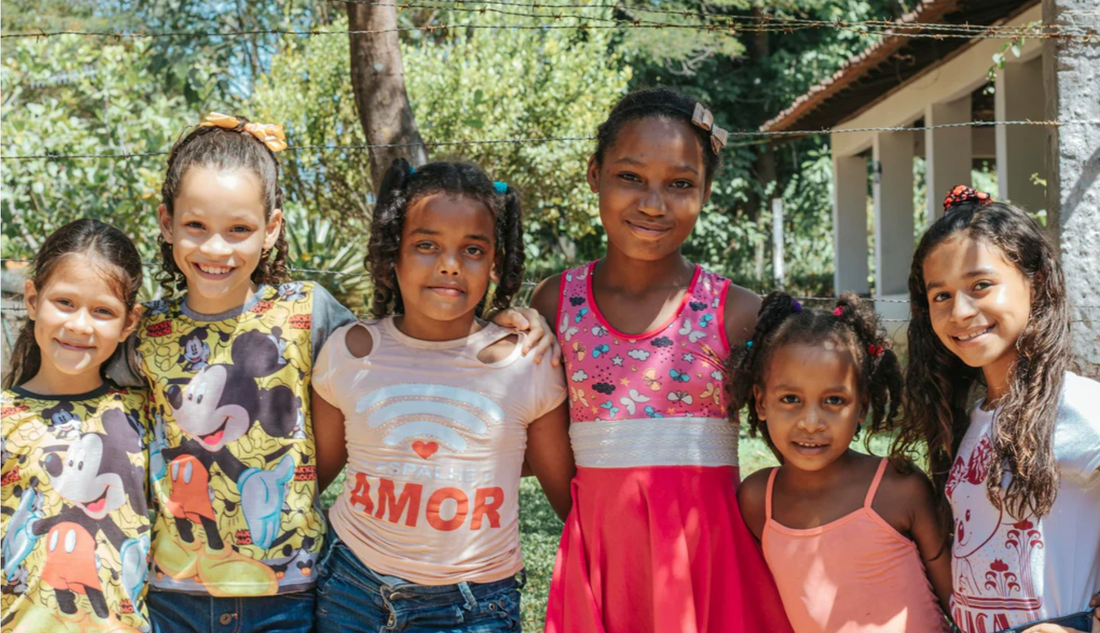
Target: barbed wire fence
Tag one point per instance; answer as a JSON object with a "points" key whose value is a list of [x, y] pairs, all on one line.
{"points": [[557, 13]]}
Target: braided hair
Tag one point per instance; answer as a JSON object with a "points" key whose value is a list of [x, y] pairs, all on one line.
{"points": [[852, 325], [401, 187], [660, 103], [224, 149]]}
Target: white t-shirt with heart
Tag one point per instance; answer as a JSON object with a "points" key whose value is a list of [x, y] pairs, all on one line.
{"points": [[436, 441], [1007, 571]]}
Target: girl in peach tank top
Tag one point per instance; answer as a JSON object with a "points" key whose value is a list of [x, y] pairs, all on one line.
{"points": [[846, 557]]}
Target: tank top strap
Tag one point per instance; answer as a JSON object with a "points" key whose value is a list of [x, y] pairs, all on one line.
{"points": [[875, 482], [768, 495]]}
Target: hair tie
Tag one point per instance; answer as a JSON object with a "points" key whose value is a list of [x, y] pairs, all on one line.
{"points": [[412, 170], [270, 134], [961, 193], [838, 311], [875, 350], [703, 118], [748, 344], [796, 305], [501, 187]]}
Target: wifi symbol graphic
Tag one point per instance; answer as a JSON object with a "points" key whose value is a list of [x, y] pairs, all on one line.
{"points": [[438, 412]]}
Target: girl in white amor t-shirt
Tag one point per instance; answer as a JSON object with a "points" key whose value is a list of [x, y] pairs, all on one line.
{"points": [[435, 412], [1021, 469]]}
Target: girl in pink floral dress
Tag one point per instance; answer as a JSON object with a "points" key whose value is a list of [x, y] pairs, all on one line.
{"points": [[655, 541]]}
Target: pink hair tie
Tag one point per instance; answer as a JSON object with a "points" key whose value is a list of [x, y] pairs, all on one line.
{"points": [[839, 311], [875, 350]]}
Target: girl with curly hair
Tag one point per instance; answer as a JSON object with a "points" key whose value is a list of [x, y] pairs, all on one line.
{"points": [[435, 411], [1012, 436], [853, 542], [228, 355]]}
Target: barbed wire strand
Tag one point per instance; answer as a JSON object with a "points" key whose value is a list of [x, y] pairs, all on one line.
{"points": [[733, 133]]}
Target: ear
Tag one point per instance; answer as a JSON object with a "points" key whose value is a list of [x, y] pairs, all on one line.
{"points": [[271, 231], [164, 220], [494, 274], [706, 194], [593, 174], [132, 319], [30, 299], [758, 401]]}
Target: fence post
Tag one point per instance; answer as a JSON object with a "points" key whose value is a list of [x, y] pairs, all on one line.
{"points": [[779, 274]]}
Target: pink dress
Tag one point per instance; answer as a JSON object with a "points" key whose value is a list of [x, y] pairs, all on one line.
{"points": [[655, 541]]}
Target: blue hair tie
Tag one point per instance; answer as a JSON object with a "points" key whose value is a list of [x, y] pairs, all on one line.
{"points": [[748, 344], [501, 187], [412, 170], [796, 305]]}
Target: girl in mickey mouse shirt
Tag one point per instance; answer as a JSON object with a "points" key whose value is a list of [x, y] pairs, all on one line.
{"points": [[75, 523]]}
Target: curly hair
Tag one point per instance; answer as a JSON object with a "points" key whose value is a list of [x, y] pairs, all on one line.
{"points": [[401, 187], [661, 103], [92, 239], [853, 325], [939, 385], [222, 148]]}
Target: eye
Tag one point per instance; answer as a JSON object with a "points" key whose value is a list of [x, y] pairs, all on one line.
{"points": [[630, 177], [683, 184], [64, 302], [110, 314], [983, 285], [475, 250], [241, 229], [835, 401], [940, 296], [789, 399], [194, 225], [424, 246]]}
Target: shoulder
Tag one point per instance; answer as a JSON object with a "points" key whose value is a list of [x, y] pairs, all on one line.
{"points": [[356, 339], [741, 309], [903, 492], [752, 499], [545, 298], [1079, 398]]}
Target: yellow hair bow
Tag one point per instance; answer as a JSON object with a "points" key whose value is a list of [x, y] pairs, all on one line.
{"points": [[270, 134]]}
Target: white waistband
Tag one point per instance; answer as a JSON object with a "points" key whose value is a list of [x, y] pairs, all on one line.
{"points": [[655, 442]]}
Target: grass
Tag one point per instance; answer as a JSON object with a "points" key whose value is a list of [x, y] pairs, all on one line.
{"points": [[540, 529]]}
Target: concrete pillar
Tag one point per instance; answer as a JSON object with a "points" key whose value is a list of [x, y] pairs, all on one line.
{"points": [[1021, 149], [850, 224], [948, 152], [1072, 75], [892, 153]]}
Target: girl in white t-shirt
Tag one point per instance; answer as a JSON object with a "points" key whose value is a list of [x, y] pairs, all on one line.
{"points": [[434, 411], [1021, 468]]}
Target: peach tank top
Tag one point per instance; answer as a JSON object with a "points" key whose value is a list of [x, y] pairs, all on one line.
{"points": [[856, 574]]}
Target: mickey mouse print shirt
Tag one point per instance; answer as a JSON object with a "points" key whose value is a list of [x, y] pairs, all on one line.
{"points": [[435, 440], [232, 463], [75, 520]]}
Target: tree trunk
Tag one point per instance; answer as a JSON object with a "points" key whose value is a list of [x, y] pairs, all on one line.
{"points": [[378, 81]]}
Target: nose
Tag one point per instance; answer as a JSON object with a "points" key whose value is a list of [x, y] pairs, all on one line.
{"points": [[963, 307], [449, 264], [652, 203], [80, 323], [812, 421], [215, 247]]}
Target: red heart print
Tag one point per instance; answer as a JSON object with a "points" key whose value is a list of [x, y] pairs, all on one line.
{"points": [[425, 449]]}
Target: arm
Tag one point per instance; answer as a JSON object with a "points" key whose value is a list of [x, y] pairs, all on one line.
{"points": [[751, 497], [328, 434], [927, 531], [742, 307], [550, 456]]}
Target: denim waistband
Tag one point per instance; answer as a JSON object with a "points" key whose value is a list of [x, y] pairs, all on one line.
{"points": [[394, 590]]}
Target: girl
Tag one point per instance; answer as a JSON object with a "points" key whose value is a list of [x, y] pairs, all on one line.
{"points": [[441, 410], [75, 523], [229, 362], [1019, 467], [655, 541], [853, 544]]}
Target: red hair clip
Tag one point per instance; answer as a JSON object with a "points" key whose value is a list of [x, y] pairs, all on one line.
{"points": [[961, 194], [875, 350], [838, 311]]}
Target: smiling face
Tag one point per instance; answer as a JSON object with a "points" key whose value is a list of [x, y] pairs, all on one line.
{"points": [[79, 320], [652, 186], [78, 477], [218, 232], [810, 402], [979, 304], [444, 265]]}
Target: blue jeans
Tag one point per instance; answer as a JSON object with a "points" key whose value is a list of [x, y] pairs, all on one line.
{"points": [[352, 598], [175, 612], [1080, 621]]}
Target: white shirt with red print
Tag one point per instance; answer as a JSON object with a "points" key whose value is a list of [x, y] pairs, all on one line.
{"points": [[1007, 571]]}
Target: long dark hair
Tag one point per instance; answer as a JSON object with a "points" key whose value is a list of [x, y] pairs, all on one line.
{"points": [[401, 187], [853, 324], [90, 238], [938, 384], [222, 148]]}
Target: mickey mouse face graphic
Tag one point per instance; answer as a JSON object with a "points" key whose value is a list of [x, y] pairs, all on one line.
{"points": [[82, 477], [203, 411]]}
